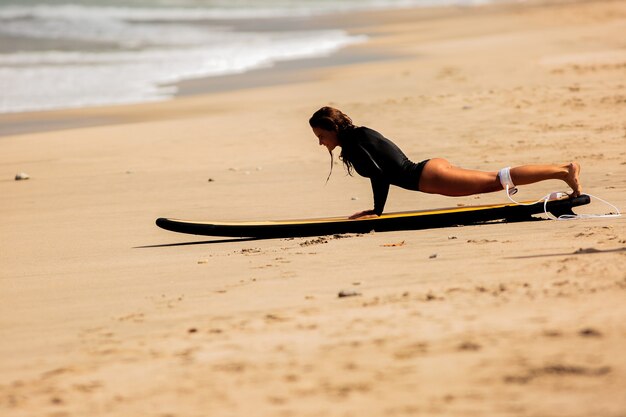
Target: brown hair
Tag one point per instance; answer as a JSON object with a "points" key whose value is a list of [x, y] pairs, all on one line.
{"points": [[329, 118], [334, 120]]}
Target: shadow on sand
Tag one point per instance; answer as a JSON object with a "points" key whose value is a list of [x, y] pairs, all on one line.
{"points": [[204, 242], [581, 251]]}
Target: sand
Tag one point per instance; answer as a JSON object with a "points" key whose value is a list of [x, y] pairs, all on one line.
{"points": [[102, 313]]}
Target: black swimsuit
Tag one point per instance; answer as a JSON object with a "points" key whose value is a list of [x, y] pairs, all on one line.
{"points": [[379, 159]]}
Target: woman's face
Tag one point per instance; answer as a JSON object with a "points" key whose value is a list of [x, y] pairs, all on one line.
{"points": [[327, 138]]}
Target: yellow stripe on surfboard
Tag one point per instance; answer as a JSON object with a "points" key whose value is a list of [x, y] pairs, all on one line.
{"points": [[402, 214]]}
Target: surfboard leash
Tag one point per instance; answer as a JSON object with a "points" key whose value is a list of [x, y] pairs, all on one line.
{"points": [[560, 194]]}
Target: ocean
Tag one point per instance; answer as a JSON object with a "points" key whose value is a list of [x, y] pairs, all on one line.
{"points": [[57, 54]]}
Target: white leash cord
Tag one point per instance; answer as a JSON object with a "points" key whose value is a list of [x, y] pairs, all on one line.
{"points": [[559, 194]]}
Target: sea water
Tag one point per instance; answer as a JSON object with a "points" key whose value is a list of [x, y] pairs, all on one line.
{"points": [[73, 53]]}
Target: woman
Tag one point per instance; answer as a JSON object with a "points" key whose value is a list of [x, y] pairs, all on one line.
{"points": [[377, 158]]}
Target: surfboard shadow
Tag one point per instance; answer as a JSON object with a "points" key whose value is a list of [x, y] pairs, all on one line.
{"points": [[581, 251], [250, 239], [203, 242]]}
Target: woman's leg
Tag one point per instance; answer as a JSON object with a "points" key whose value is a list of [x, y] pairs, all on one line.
{"points": [[440, 177], [529, 174]]}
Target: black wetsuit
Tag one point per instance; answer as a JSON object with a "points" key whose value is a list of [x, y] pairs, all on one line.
{"points": [[379, 159]]}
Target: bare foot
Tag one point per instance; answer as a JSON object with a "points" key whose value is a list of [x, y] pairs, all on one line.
{"points": [[573, 172]]}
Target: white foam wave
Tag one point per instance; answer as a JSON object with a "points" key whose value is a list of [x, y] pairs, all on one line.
{"points": [[151, 45], [47, 80]]}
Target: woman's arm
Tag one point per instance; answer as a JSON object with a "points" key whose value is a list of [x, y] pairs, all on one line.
{"points": [[380, 188], [365, 164]]}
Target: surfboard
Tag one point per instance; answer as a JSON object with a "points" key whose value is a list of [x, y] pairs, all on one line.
{"points": [[407, 220]]}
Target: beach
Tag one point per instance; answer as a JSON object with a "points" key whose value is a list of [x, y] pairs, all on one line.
{"points": [[103, 313]]}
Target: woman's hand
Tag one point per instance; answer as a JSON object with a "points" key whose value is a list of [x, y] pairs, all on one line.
{"points": [[367, 214]]}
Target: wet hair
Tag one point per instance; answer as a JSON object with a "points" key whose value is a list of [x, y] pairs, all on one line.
{"points": [[329, 118], [333, 120]]}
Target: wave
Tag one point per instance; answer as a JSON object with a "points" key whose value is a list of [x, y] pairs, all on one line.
{"points": [[199, 13], [55, 79], [83, 55]]}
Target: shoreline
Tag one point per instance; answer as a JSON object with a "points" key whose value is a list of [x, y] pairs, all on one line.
{"points": [[286, 72], [282, 72]]}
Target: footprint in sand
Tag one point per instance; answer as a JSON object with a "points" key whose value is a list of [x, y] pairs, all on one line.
{"points": [[469, 346], [135, 317], [316, 241], [558, 370]]}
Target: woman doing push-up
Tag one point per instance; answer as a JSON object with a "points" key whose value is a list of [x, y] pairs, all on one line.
{"points": [[373, 156]]}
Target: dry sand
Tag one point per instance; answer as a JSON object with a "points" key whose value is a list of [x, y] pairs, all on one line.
{"points": [[102, 313]]}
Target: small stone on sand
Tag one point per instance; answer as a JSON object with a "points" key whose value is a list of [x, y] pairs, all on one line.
{"points": [[589, 332], [348, 293], [21, 176]]}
